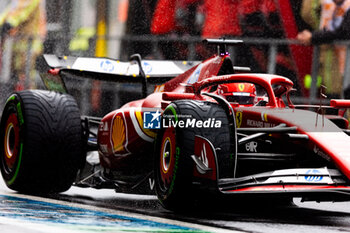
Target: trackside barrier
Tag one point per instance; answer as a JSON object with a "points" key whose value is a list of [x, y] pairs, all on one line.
{"points": [[61, 44]]}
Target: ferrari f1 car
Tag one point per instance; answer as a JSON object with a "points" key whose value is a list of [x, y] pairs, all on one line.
{"points": [[210, 128]]}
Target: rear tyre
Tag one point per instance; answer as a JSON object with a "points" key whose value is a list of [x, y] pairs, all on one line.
{"points": [[41, 142], [174, 167]]}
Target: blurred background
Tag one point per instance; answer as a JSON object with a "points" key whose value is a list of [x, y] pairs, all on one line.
{"points": [[167, 29]]}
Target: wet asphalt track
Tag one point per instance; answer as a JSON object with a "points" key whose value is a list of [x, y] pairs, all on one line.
{"points": [[89, 210]]}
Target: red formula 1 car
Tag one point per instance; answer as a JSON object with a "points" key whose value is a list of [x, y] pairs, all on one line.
{"points": [[211, 129]]}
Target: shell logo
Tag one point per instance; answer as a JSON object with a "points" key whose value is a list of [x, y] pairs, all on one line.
{"points": [[118, 134], [241, 87]]}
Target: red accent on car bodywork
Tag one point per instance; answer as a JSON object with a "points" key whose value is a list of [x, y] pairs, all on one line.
{"points": [[54, 71], [335, 103], [170, 96], [324, 137], [133, 143]]}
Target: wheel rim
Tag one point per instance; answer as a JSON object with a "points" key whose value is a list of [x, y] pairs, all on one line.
{"points": [[167, 157], [11, 142]]}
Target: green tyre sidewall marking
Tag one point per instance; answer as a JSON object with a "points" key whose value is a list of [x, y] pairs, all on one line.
{"points": [[172, 109], [20, 113], [13, 179], [177, 156]]}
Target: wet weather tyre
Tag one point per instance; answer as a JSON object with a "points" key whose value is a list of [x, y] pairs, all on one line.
{"points": [[41, 142], [174, 167]]}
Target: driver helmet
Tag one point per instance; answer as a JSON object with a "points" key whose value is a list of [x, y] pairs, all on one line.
{"points": [[241, 93]]}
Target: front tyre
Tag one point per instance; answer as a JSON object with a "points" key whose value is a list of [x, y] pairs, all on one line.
{"points": [[174, 167], [41, 142]]}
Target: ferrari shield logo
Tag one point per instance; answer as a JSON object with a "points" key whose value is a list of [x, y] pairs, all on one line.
{"points": [[239, 116]]}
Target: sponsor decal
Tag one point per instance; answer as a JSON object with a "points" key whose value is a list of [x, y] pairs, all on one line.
{"points": [[313, 175], [264, 116], [151, 183], [136, 115], [107, 66], [147, 67], [319, 152], [254, 123], [118, 134], [195, 76], [151, 120], [251, 146], [239, 117], [104, 126], [260, 124]]}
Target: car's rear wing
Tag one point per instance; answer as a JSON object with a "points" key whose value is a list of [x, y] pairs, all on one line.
{"points": [[53, 69]]}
